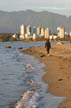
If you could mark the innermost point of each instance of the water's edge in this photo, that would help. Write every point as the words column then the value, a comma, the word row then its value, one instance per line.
column 46, row 99
column 16, row 77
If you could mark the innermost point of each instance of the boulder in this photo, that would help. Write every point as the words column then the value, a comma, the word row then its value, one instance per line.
column 8, row 46
column 59, row 43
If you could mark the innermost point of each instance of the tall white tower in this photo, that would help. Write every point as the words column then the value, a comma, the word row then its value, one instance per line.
column 22, row 31
column 28, row 29
column 46, row 33
column 38, row 30
column 42, row 31
column 60, row 32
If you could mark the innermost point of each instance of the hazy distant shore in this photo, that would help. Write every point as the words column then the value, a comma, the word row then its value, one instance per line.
column 58, row 70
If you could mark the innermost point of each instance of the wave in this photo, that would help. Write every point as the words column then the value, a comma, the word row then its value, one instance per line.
column 28, row 100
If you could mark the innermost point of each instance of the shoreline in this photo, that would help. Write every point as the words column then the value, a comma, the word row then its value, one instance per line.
column 57, row 68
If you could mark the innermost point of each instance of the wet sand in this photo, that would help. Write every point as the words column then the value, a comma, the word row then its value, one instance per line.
column 57, row 68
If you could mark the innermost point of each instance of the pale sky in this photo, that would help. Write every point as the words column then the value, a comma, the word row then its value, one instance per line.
column 57, row 6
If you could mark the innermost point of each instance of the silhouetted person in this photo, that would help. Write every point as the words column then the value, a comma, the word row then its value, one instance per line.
column 47, row 46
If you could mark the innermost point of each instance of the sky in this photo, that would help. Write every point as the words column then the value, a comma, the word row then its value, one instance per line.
column 57, row 6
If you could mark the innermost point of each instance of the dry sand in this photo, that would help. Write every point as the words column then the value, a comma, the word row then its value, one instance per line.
column 58, row 70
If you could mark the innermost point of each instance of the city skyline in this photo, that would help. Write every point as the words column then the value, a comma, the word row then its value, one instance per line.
column 60, row 7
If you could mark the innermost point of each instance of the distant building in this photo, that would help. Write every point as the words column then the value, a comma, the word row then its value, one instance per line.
column 60, row 32
column 66, row 34
column 22, row 31
column 34, row 36
column 46, row 35
column 42, row 32
column 26, row 36
column 51, row 37
column 70, row 34
column 14, row 36
column 28, row 30
column 38, row 31
column 34, row 30
column 54, row 37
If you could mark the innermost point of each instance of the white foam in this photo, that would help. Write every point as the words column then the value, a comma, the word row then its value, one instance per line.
column 29, row 68
column 19, row 104
column 32, row 83
column 27, row 95
column 33, row 101
column 29, row 99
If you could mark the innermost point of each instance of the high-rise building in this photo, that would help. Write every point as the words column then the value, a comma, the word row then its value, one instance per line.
column 28, row 29
column 22, row 31
column 46, row 33
column 38, row 31
column 42, row 32
column 60, row 32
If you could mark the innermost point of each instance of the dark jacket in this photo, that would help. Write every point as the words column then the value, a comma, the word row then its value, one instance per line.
column 47, row 44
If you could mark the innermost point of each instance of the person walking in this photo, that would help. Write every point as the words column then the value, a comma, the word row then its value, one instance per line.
column 47, row 46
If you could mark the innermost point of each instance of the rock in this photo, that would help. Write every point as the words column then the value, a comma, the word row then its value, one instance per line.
column 59, row 43
column 20, row 48
column 8, row 47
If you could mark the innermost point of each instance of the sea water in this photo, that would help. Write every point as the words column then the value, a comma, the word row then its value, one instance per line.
column 15, row 77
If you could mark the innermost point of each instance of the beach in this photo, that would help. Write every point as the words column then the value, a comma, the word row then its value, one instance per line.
column 57, row 68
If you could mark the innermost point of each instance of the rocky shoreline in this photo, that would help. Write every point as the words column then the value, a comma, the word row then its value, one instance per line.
column 57, row 68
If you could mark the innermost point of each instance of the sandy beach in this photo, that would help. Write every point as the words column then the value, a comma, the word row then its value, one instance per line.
column 57, row 68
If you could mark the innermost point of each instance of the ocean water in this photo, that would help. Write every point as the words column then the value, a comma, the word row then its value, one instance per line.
column 17, row 74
